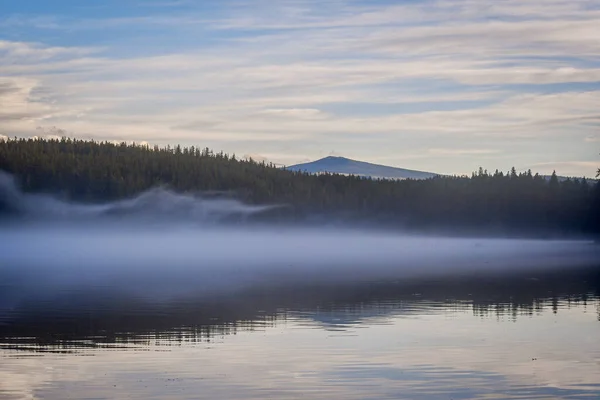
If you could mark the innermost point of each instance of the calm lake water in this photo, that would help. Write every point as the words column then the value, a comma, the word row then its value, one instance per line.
column 526, row 335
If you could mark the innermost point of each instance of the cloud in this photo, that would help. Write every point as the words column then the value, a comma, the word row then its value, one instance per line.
column 301, row 77
column 19, row 101
column 294, row 113
column 461, row 152
column 24, row 52
column 172, row 3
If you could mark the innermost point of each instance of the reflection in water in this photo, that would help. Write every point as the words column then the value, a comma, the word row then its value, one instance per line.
column 106, row 316
column 524, row 335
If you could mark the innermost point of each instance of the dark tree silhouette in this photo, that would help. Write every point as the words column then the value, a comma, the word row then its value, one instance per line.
column 512, row 203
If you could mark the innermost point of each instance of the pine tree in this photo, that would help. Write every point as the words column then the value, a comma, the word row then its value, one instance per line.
column 91, row 171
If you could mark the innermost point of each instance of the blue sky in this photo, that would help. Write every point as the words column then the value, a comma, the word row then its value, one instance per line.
column 444, row 86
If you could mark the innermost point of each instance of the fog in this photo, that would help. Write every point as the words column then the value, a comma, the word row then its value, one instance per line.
column 58, row 247
column 158, row 204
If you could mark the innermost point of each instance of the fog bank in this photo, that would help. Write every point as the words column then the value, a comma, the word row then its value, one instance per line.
column 184, row 260
column 158, row 204
column 58, row 247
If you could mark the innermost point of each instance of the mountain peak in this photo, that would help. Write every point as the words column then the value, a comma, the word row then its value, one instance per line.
column 346, row 166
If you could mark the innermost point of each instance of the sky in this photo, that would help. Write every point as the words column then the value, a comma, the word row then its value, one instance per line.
column 441, row 86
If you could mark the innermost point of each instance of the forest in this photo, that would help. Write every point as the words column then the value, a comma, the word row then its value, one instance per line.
column 500, row 203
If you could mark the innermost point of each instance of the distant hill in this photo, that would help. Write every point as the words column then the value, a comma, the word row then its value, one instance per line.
column 346, row 166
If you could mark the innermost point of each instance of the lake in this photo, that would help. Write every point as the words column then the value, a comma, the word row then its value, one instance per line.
column 530, row 334
column 130, row 310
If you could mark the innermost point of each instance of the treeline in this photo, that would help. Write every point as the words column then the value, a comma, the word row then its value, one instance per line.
column 498, row 202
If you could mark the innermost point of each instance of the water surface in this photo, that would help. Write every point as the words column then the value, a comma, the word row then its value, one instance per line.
column 530, row 334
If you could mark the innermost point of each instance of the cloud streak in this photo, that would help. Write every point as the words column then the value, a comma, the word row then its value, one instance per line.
column 301, row 79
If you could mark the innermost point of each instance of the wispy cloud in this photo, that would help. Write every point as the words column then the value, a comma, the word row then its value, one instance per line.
column 167, row 3
column 461, row 152
column 18, row 101
column 26, row 52
column 465, row 79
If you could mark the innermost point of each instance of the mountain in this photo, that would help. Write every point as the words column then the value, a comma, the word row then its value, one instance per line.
column 346, row 166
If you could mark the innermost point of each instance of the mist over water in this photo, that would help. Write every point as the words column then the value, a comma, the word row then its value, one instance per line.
column 59, row 247
column 156, row 204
